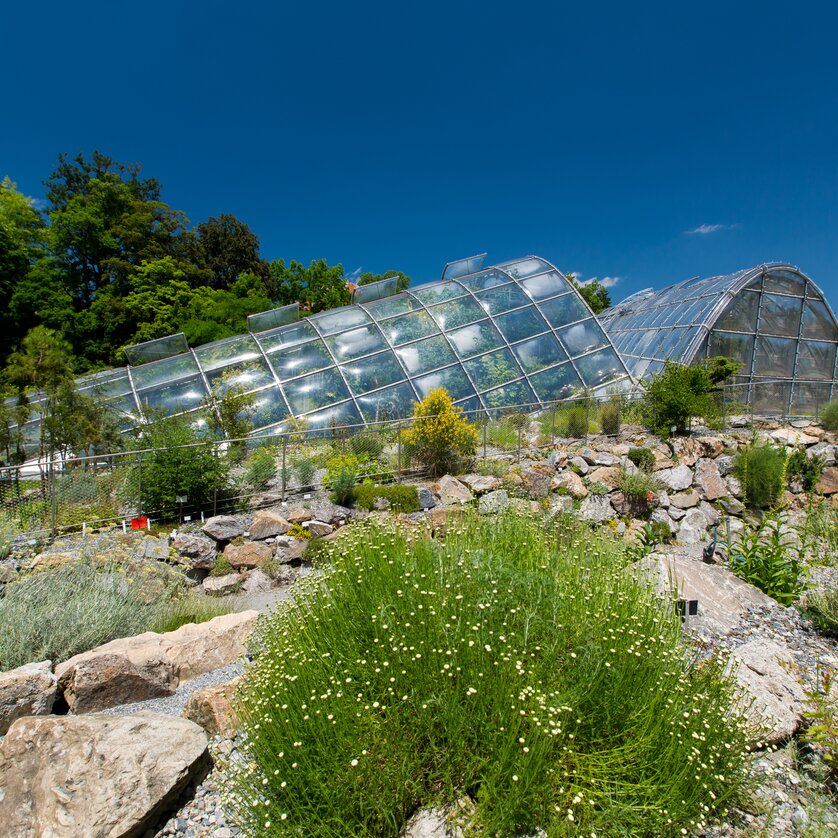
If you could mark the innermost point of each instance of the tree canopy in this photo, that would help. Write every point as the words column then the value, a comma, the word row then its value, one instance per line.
column 594, row 293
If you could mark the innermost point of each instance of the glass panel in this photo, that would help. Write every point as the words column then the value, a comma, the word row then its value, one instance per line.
column 526, row 267
column 808, row 399
column 426, row 355
column 437, row 292
column 154, row 350
column 230, row 351
column 479, row 337
column 392, row 306
column 771, row 397
column 265, row 320
column 158, row 372
column 269, row 408
column 330, row 322
column 373, row 372
column 517, row 394
column 741, row 314
column 391, row 403
column 102, row 386
column 817, row 322
column 472, row 408
column 564, row 310
column 815, row 360
column 335, row 416
column 247, row 376
column 176, row 396
column 784, row 283
column 315, row 391
column 299, row 360
column 358, row 342
column 453, row 379
column 737, row 347
column 556, row 383
column 493, row 369
column 502, row 299
column 125, row 409
column 462, row 267
column 521, row 324
column 582, row 337
column 599, row 368
column 376, row 290
column 780, row 315
column 287, row 336
column 775, row 357
column 539, row 352
column 457, row 313
column 486, row 279
column 546, row 285
column 409, row 327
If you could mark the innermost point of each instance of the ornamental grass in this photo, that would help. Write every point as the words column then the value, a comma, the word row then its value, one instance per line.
column 519, row 665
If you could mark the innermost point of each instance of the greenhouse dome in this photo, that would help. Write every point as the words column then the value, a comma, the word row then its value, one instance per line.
column 772, row 319
column 517, row 333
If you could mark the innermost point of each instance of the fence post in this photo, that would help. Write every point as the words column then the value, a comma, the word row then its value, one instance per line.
column 485, row 438
column 140, row 483
column 553, row 426
column 587, row 416
column 284, row 473
column 399, row 453
column 518, row 458
column 53, row 497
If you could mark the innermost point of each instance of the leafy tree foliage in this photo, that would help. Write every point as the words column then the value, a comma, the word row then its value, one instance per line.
column 402, row 285
column 594, row 293
column 317, row 287
column 230, row 248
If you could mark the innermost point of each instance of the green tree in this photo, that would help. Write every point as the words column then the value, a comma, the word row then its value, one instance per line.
column 318, row 287
column 229, row 248
column 594, row 293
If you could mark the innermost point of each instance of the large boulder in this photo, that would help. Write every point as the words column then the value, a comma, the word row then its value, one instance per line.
column 28, row 690
column 95, row 775
column 570, row 482
column 773, row 699
column 319, row 529
column 199, row 550
column 579, row 465
column 223, row 527
column 687, row 449
column 709, row 480
column 677, row 478
column 693, row 528
column 788, row 436
column 828, row 484
column 229, row 583
column 609, row 475
column 212, row 708
column 451, row 491
column 480, row 483
column 249, row 554
column 268, row 524
column 685, row 500
column 493, row 503
column 426, row 497
column 290, row 549
column 597, row 509
column 151, row 665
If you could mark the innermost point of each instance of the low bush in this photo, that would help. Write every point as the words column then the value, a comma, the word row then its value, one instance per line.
column 516, row 664
column 222, row 567
column 761, row 469
column 400, row 498
column 609, row 416
column 829, row 416
column 821, row 607
column 639, row 487
column 316, row 550
column 576, row 419
column 305, row 469
column 260, row 468
column 299, row 531
column 368, row 445
column 643, row 458
column 597, row 487
column 806, row 469
column 342, row 483
column 8, row 532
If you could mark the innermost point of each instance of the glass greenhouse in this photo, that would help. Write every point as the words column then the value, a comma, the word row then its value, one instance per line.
column 516, row 333
column 772, row 319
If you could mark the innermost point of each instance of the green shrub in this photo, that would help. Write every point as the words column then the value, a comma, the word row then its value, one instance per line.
column 222, row 567
column 821, row 607
column 638, row 486
column 367, row 446
column 609, row 416
column 316, row 551
column 189, row 608
column 8, row 532
column 306, row 469
column 829, row 416
column 643, row 458
column 806, row 469
column 577, row 422
column 596, row 487
column 343, row 485
column 261, row 468
column 401, row 498
column 761, row 469
column 415, row 672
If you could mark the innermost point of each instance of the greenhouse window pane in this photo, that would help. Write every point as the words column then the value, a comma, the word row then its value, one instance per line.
column 409, row 327
column 392, row 403
column 556, row 383
column 453, row 379
column 175, row 396
column 511, row 396
column 159, row 372
column 521, row 324
column 784, row 283
column 775, row 357
column 582, row 337
column 546, row 285
column 358, row 342
column 248, row 375
column 229, row 351
column 599, row 368
column 437, row 292
column 738, row 347
column 331, row 322
column 301, row 359
column 525, row 268
column 457, row 313
column 104, row 385
column 426, row 355
column 472, row 408
column 492, row 369
column 540, row 352
column 334, row 416
column 770, row 396
column 125, row 409
column 373, row 372
column 741, row 314
column 483, row 280
column 815, row 360
column 315, row 391
column 503, row 298
column 817, row 322
column 287, row 336
column 780, row 315
column 392, row 306
column 474, row 339
column 269, row 408
column 564, row 310
column 809, row 399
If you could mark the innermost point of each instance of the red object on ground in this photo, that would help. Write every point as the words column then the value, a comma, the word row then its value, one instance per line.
column 140, row 523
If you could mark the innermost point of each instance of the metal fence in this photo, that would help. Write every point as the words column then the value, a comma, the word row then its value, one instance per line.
column 54, row 496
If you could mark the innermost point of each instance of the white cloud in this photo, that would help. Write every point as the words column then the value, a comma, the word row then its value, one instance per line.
column 706, row 229
column 606, row 281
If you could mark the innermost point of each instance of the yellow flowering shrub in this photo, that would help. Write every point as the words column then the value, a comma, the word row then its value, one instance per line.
column 440, row 434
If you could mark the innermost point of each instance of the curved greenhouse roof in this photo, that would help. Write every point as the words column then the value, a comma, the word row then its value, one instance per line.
column 773, row 319
column 517, row 333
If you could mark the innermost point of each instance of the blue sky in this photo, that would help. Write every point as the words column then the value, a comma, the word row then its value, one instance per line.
column 648, row 142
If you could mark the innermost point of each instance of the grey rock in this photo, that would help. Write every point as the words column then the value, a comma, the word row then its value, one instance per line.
column 579, row 464
column 663, row 517
column 223, row 527
column 200, row 550
column 685, row 500
column 677, row 478
column 320, row 528
column 597, row 509
column 426, row 498
column 493, row 503
column 28, row 690
column 675, row 513
column 588, row 455
column 709, row 480
column 221, row 585
column 605, row 458
column 734, row 486
column 822, row 449
column 725, row 464
column 257, row 582
column 561, row 505
column 693, row 527
column 732, row 506
column 451, row 491
column 480, row 484
column 289, row 549
column 268, row 524
column 156, row 548
column 570, row 482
